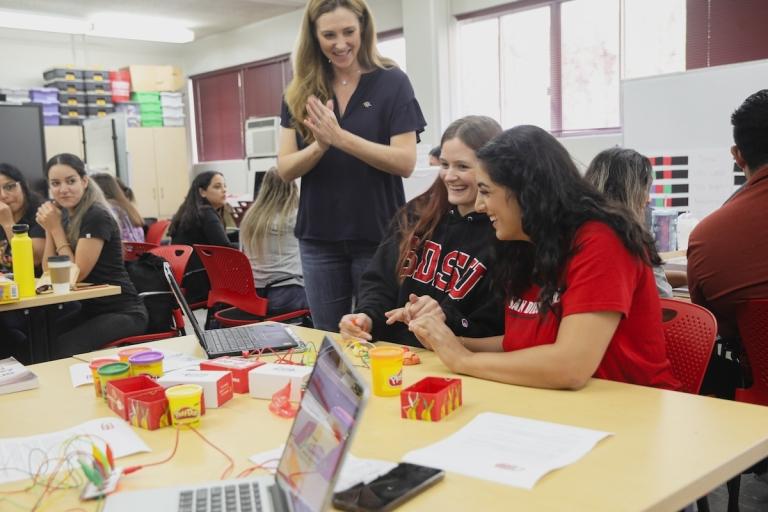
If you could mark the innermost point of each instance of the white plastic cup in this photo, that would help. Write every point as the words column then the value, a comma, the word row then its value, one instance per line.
column 59, row 268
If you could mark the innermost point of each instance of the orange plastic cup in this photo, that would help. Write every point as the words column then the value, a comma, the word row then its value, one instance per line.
column 386, row 370
column 185, row 404
column 94, row 365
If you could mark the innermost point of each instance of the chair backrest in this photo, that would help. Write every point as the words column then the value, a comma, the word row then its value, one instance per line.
column 229, row 272
column 132, row 250
column 690, row 332
column 177, row 256
column 156, row 231
column 752, row 318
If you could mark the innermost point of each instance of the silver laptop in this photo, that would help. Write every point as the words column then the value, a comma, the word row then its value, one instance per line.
column 233, row 341
column 311, row 461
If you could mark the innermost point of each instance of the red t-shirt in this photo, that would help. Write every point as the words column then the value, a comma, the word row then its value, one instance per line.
column 602, row 276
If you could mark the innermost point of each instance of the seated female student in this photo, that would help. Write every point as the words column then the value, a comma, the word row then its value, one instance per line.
column 130, row 220
column 266, row 237
column 575, row 271
column 439, row 249
column 199, row 221
column 18, row 205
column 79, row 223
column 625, row 176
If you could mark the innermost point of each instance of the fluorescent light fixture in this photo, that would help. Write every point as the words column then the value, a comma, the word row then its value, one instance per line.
column 114, row 25
column 142, row 28
column 43, row 23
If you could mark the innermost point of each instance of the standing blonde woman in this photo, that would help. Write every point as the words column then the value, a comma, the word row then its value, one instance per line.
column 266, row 237
column 350, row 124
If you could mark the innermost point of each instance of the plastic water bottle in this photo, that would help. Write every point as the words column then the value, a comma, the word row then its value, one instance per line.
column 23, row 260
column 685, row 224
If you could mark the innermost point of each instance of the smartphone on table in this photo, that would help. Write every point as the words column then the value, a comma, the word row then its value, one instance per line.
column 388, row 491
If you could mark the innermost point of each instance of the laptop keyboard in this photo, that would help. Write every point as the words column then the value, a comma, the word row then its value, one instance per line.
column 242, row 497
column 230, row 340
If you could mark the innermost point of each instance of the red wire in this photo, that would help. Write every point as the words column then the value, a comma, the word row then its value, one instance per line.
column 231, row 464
column 133, row 469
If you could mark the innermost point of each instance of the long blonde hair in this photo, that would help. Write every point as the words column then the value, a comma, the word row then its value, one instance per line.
column 275, row 205
column 92, row 195
column 312, row 73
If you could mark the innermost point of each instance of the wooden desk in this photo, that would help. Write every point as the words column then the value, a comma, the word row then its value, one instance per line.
column 39, row 310
column 668, row 448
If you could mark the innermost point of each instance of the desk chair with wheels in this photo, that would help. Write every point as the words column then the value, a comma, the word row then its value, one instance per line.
column 176, row 256
column 132, row 250
column 156, row 231
column 231, row 277
column 690, row 332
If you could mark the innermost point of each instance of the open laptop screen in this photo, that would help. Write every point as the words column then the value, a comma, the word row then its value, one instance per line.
column 321, row 431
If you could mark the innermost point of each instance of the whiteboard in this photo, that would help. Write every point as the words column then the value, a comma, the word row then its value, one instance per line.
column 105, row 146
column 689, row 115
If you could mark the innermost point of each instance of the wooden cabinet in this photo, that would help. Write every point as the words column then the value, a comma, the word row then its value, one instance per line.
column 159, row 163
column 63, row 139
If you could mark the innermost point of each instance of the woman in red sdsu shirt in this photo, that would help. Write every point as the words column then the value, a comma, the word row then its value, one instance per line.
column 576, row 272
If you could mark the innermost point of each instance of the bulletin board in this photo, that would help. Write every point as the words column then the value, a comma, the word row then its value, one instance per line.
column 682, row 121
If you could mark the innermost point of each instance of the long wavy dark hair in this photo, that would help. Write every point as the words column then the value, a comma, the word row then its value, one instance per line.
column 418, row 219
column 554, row 202
column 188, row 213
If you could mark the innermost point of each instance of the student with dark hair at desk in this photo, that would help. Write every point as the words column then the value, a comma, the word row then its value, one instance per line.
column 623, row 175
column 79, row 223
column 199, row 220
column 18, row 205
column 574, row 270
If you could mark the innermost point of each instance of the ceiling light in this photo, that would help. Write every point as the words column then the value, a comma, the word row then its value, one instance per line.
column 26, row 21
column 143, row 28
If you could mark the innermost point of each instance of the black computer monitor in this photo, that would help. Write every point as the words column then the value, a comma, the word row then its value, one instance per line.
column 22, row 139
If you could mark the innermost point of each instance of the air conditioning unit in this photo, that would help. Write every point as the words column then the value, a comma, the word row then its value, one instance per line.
column 262, row 136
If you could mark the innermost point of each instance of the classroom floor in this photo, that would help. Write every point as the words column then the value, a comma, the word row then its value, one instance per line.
column 752, row 498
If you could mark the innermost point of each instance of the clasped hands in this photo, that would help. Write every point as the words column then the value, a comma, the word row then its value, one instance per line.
column 321, row 120
column 48, row 216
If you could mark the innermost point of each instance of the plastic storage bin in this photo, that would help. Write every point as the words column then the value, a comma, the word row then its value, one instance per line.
column 173, row 120
column 98, row 98
column 70, row 120
column 44, row 95
column 15, row 95
column 151, row 120
column 97, row 85
column 51, row 119
column 48, row 108
column 67, row 85
column 171, row 99
column 71, row 98
column 72, row 110
column 98, row 75
column 151, row 109
column 133, row 121
column 146, row 97
column 99, row 110
column 63, row 74
column 169, row 111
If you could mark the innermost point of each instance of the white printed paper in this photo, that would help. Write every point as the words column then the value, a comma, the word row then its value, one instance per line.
column 20, row 457
column 354, row 470
column 177, row 360
column 507, row 449
column 80, row 375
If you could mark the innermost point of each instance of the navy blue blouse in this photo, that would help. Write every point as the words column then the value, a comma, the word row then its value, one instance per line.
column 342, row 197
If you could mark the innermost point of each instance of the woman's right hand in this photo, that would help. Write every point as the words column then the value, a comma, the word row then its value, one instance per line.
column 48, row 216
column 356, row 325
column 6, row 215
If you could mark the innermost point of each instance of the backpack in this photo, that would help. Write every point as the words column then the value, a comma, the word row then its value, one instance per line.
column 147, row 276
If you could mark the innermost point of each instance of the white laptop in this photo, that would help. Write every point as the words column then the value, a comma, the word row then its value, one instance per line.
column 311, row 461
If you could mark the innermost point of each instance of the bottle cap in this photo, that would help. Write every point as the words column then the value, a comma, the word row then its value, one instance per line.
column 58, row 259
column 20, row 228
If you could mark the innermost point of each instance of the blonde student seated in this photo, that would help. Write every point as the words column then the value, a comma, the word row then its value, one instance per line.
column 575, row 271
column 266, row 237
column 438, row 248
column 79, row 223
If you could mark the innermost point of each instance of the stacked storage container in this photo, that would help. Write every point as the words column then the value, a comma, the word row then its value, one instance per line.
column 173, row 108
column 69, row 84
column 132, row 112
column 48, row 98
column 98, row 93
column 150, row 108
column 13, row 95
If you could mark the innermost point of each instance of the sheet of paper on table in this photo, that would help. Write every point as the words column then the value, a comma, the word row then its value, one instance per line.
column 507, row 449
column 20, row 457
